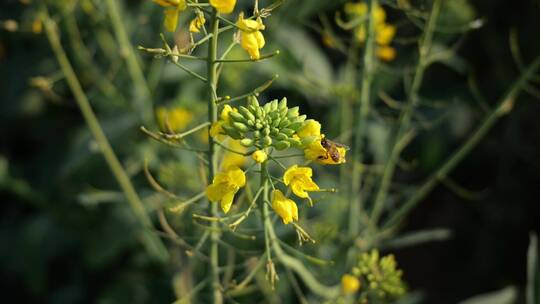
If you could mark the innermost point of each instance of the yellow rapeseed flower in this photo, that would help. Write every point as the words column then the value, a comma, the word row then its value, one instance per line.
column 284, row 207
column 299, row 179
column 197, row 23
column 361, row 10
column 231, row 159
column 224, row 187
column 251, row 39
column 320, row 150
column 174, row 119
column 259, row 156
column 173, row 9
column 350, row 284
column 223, row 6
column 385, row 33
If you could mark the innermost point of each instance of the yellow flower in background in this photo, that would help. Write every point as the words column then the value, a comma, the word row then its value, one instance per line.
column 217, row 127
column 385, row 33
column 251, row 39
column 224, row 187
column 231, row 159
column 299, row 179
column 174, row 119
column 361, row 10
column 259, row 156
column 173, row 9
column 386, row 53
column 197, row 23
column 284, row 207
column 350, row 284
column 223, row 6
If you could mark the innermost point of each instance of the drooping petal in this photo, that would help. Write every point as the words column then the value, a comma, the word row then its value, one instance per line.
column 260, row 39
column 227, row 200
column 248, row 41
column 223, row 6
column 171, row 19
column 284, row 207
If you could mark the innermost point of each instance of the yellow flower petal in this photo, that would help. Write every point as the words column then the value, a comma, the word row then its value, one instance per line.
column 284, row 207
column 214, row 192
column 236, row 177
column 171, row 19
column 226, row 201
column 224, row 187
column 299, row 179
column 311, row 127
column 223, row 6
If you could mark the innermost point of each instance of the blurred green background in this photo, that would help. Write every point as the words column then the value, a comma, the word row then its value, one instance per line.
column 68, row 237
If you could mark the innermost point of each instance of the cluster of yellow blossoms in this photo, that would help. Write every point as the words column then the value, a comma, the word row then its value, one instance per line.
column 233, row 126
column 250, row 36
column 384, row 32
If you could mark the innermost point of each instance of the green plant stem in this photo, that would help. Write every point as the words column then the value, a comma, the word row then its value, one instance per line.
column 362, row 111
column 150, row 241
column 212, row 156
column 144, row 104
column 405, row 119
column 503, row 107
column 327, row 292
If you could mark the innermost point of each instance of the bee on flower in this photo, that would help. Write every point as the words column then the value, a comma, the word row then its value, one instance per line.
column 320, row 149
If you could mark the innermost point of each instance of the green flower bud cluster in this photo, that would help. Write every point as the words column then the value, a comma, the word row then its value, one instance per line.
column 381, row 275
column 271, row 125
